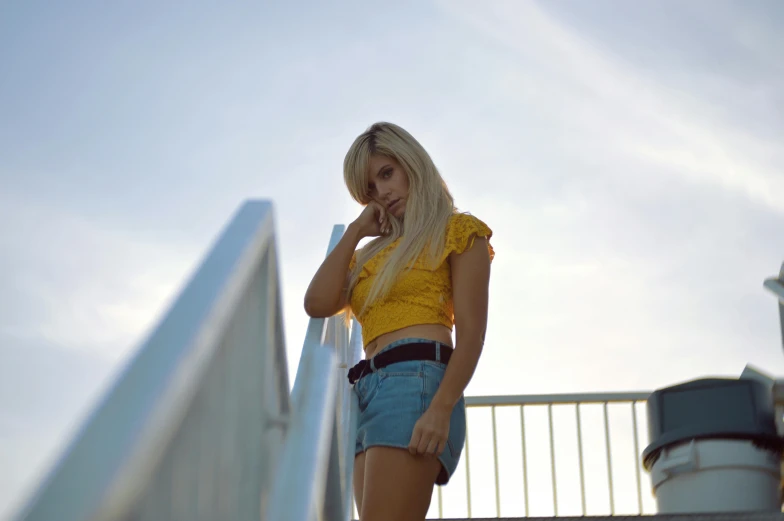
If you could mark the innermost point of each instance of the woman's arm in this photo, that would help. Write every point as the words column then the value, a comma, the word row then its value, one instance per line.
column 470, row 282
column 326, row 294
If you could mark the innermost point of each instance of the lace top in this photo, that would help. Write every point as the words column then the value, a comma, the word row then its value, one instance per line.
column 421, row 295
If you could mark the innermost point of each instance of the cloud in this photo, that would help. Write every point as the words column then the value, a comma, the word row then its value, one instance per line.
column 616, row 109
column 79, row 285
column 632, row 230
column 44, row 392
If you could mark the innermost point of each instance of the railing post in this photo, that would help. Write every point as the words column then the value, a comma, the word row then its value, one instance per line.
column 349, row 418
column 299, row 486
column 334, row 500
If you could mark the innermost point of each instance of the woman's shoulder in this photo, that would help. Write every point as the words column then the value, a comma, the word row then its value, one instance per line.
column 465, row 223
column 462, row 229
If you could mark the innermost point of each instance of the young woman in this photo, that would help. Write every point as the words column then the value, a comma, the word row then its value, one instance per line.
column 427, row 269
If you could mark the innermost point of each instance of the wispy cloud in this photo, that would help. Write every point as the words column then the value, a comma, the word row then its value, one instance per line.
column 629, row 223
column 83, row 287
column 628, row 113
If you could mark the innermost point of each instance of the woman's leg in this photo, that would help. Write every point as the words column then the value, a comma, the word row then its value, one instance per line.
column 359, row 479
column 397, row 485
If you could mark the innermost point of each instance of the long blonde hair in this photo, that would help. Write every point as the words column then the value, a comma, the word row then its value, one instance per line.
column 428, row 207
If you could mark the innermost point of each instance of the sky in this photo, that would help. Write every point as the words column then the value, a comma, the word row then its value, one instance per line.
column 625, row 154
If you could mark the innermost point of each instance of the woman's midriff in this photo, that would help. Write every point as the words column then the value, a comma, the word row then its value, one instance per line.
column 435, row 332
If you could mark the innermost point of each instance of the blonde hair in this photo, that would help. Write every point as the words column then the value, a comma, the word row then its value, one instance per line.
column 428, row 207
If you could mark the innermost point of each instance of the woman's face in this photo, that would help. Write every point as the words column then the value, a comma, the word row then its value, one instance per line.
column 388, row 184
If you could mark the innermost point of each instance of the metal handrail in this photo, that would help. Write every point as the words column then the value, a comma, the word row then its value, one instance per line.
column 548, row 445
column 107, row 471
column 555, row 399
column 315, row 471
column 348, row 415
column 298, row 490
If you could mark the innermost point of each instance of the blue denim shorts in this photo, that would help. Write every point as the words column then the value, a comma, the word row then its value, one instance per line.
column 393, row 398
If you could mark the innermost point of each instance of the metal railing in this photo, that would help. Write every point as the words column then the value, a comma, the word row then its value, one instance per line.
column 200, row 424
column 587, row 445
column 316, row 468
column 193, row 426
column 562, row 455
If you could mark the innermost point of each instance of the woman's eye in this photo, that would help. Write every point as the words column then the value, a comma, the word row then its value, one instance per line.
column 387, row 173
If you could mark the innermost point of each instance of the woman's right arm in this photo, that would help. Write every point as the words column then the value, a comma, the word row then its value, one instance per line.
column 326, row 295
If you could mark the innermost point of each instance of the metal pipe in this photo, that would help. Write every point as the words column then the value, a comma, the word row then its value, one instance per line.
column 468, row 473
column 354, row 350
column 298, row 489
column 555, row 399
column 495, row 467
column 552, row 459
column 580, row 458
column 637, row 459
column 333, row 492
column 609, row 459
column 525, row 457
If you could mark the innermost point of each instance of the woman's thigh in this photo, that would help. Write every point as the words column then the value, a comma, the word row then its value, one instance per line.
column 397, row 485
column 392, row 400
column 359, row 479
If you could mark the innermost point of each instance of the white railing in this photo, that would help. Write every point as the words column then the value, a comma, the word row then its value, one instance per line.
column 558, row 455
column 193, row 426
column 550, row 455
column 201, row 426
column 316, row 469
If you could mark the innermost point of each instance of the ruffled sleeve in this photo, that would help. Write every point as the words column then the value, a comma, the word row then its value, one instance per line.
column 463, row 230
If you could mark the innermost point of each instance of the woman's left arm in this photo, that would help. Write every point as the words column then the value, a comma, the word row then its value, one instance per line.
column 470, row 283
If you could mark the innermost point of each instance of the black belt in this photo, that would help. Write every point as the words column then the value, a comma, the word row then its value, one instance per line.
column 402, row 353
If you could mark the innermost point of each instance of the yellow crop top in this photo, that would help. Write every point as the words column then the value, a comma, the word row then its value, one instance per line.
column 420, row 295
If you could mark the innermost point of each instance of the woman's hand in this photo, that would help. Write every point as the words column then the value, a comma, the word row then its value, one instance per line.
column 430, row 432
column 373, row 221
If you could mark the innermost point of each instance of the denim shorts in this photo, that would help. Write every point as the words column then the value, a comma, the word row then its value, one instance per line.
column 393, row 398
